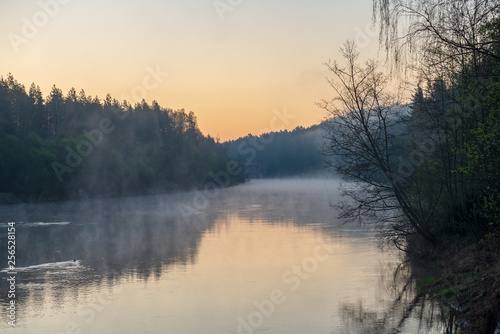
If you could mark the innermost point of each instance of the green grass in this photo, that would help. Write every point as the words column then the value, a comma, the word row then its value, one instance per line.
column 426, row 281
column 446, row 293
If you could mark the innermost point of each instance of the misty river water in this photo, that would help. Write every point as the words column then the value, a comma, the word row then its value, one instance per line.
column 267, row 256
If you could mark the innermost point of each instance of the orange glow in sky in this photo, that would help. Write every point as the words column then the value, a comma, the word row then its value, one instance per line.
column 231, row 62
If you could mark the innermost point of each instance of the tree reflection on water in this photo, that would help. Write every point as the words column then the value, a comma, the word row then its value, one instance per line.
column 401, row 310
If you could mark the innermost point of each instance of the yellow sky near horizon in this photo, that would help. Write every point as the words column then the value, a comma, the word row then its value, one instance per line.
column 231, row 62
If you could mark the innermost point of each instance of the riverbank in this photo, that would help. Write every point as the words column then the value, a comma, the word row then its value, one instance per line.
column 81, row 195
column 469, row 282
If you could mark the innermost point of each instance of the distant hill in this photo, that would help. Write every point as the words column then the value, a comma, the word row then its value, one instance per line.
column 280, row 154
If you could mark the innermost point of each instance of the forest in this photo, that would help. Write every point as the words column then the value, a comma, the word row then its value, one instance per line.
column 75, row 146
column 280, row 153
column 428, row 176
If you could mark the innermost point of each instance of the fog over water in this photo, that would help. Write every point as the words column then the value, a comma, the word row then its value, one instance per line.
column 268, row 256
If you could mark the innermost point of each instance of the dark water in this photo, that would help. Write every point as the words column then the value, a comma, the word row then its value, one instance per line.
column 264, row 257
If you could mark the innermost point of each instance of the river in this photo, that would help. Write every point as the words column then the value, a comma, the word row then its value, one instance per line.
column 268, row 256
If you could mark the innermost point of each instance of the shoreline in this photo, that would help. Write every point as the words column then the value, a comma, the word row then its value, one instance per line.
column 467, row 281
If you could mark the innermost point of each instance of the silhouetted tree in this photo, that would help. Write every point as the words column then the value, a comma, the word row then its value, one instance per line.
column 363, row 119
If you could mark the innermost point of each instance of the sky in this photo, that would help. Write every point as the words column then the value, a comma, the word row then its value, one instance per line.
column 234, row 63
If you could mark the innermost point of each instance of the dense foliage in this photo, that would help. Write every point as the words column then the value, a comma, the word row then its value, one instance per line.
column 280, row 154
column 459, row 109
column 76, row 146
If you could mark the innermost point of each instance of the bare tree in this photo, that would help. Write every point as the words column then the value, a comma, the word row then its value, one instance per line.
column 361, row 131
column 444, row 33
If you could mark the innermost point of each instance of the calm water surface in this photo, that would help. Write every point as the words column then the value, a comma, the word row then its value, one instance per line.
column 264, row 257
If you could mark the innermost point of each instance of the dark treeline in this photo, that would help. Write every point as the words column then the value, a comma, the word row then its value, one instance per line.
column 456, row 108
column 74, row 146
column 280, row 154
column 433, row 186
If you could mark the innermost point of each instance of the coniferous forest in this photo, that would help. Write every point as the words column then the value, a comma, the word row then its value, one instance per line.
column 74, row 146
column 280, row 153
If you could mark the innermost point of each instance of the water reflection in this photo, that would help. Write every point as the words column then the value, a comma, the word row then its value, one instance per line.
column 63, row 249
column 204, row 271
column 405, row 311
